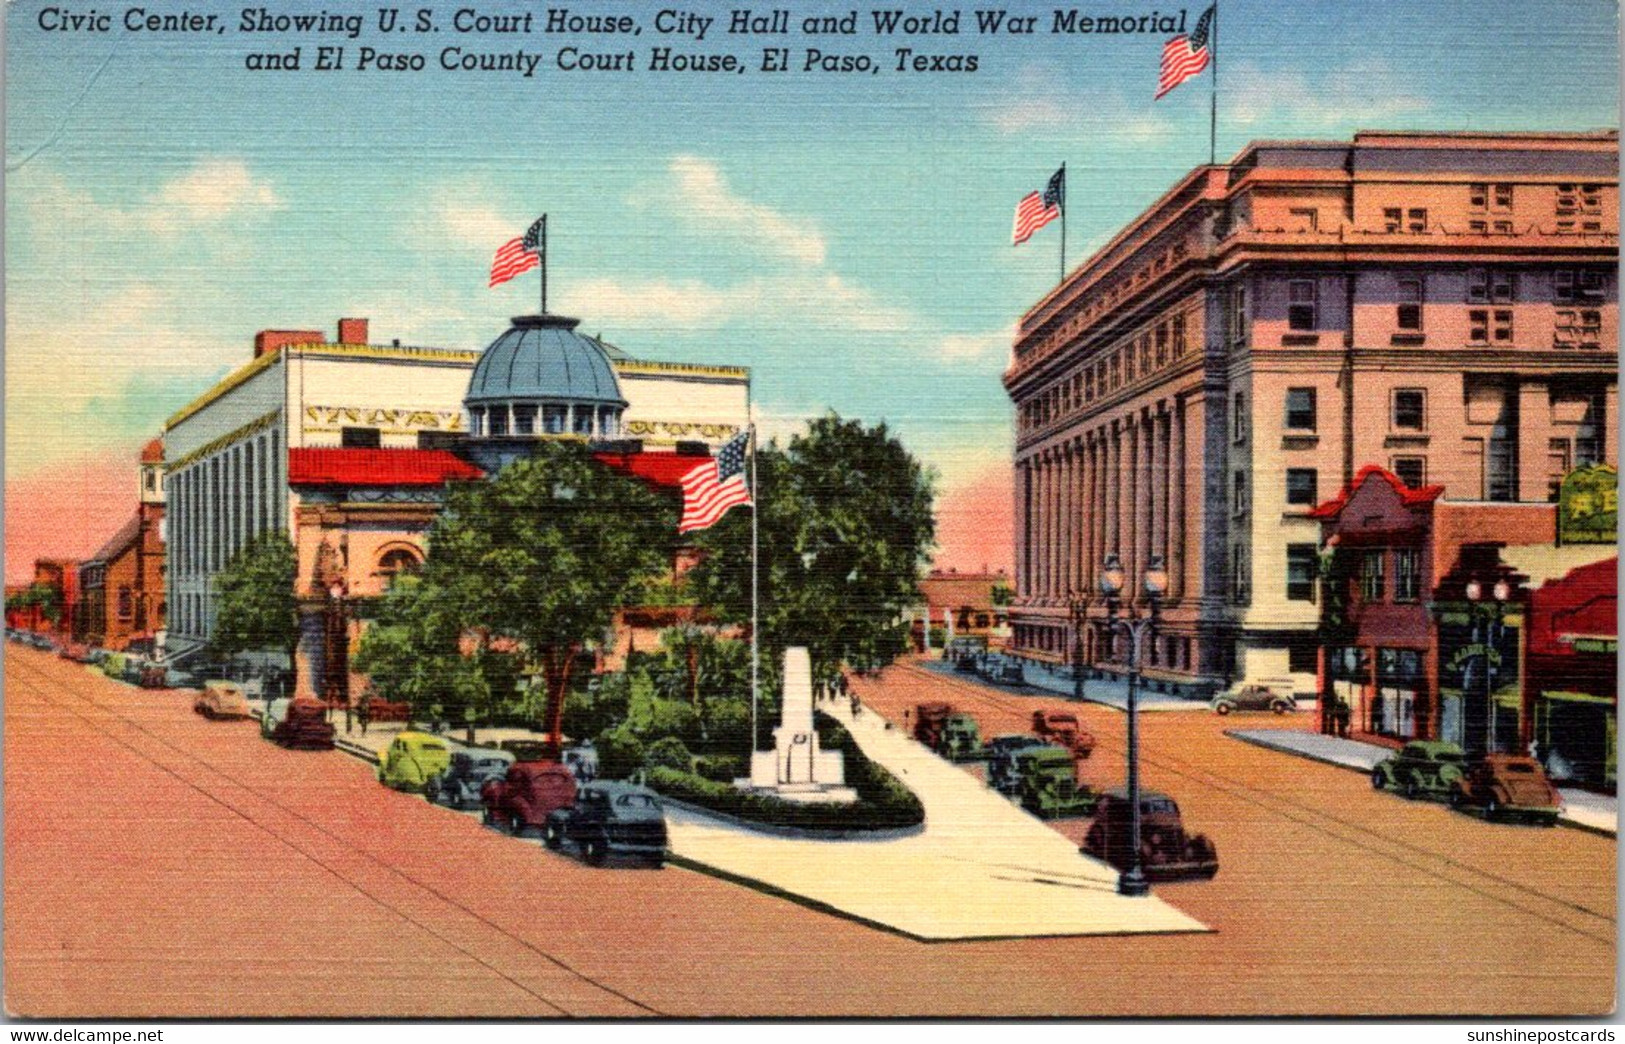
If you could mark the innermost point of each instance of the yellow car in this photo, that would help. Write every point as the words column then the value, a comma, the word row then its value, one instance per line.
column 412, row 760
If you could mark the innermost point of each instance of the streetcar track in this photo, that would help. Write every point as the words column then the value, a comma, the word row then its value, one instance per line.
column 42, row 676
column 1289, row 808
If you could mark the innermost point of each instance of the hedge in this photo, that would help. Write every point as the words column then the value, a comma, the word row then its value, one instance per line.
column 883, row 802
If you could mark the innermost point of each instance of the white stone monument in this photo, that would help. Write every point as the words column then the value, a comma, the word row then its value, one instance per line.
column 795, row 769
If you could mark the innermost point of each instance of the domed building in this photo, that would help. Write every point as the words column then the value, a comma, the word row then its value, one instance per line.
column 541, row 377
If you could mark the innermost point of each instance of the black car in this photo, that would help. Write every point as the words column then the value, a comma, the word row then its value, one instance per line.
column 468, row 771
column 610, row 819
column 1001, row 759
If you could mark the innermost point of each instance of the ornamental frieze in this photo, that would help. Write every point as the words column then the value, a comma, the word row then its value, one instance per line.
column 681, row 429
column 391, row 421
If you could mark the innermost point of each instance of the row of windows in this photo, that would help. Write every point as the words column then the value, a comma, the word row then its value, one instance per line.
column 1384, row 574
column 218, row 504
column 523, row 418
column 1141, row 355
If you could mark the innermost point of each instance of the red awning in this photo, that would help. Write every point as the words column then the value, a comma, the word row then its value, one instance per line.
column 657, row 469
column 377, row 467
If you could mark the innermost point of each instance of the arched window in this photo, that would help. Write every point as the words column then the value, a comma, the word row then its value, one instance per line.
column 398, row 562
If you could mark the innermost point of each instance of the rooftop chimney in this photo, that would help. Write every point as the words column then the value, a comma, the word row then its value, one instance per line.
column 352, row 331
column 272, row 340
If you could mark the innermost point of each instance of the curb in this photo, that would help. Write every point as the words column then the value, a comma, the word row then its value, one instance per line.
column 1562, row 821
column 794, row 833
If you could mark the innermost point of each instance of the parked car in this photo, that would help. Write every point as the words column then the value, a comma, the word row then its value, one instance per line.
column 153, row 675
column 1254, row 698
column 929, row 718
column 1167, row 852
column 221, row 700
column 1508, row 785
column 1428, row 768
column 78, row 652
column 1002, row 671
column 1063, row 727
column 961, row 738
column 610, row 819
column 304, row 725
column 1001, row 759
column 464, row 778
column 1046, row 783
column 530, row 791
column 113, row 665
column 411, row 759
column 964, row 647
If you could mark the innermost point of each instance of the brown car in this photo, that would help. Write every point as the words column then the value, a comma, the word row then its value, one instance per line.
column 1063, row 728
column 1508, row 785
column 1167, row 852
column 529, row 793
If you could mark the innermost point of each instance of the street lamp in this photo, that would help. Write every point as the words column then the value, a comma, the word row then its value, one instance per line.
column 1495, row 610
column 332, row 687
column 1080, row 618
column 1136, row 628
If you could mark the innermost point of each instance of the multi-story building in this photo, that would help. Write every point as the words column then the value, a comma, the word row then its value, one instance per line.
column 121, row 586
column 1442, row 305
column 347, row 448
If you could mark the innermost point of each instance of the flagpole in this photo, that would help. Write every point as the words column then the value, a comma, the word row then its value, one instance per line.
column 544, row 264
column 755, row 573
column 1063, row 223
column 1213, row 97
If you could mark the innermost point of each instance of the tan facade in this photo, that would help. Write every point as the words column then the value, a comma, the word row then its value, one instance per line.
column 1444, row 306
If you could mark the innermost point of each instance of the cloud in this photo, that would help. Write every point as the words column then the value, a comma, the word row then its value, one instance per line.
column 977, row 347
column 475, row 225
column 1363, row 95
column 700, row 192
column 212, row 191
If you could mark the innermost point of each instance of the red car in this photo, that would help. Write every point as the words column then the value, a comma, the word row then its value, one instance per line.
column 1063, row 728
column 304, row 726
column 528, row 794
column 1167, row 852
column 1508, row 785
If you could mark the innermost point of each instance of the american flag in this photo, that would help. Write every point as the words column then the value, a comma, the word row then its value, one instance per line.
column 517, row 255
column 1038, row 209
column 1185, row 56
column 710, row 489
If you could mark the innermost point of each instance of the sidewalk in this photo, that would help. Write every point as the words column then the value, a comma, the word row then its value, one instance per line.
column 981, row 868
column 1598, row 813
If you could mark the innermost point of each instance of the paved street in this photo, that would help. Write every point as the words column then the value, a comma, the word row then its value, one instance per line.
column 159, row 864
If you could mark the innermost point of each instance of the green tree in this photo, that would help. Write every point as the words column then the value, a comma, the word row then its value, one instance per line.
column 256, row 605
column 41, row 596
column 538, row 558
column 846, row 529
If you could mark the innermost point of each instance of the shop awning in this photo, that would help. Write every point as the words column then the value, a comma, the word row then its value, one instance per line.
column 1577, row 697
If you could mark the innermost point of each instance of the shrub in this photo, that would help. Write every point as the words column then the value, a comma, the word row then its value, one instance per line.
column 620, row 753
column 668, row 753
column 723, row 768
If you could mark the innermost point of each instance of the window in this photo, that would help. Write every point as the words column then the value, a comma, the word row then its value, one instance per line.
column 1238, row 419
column 1238, row 575
column 524, row 419
column 1238, row 315
column 1302, row 564
column 1416, row 219
column 1503, row 228
column 609, row 421
column 1489, row 285
column 1478, row 326
column 1371, row 579
column 1179, row 335
column 1478, row 228
column 152, row 480
column 1412, row 471
column 1301, row 310
column 1410, row 409
column 126, row 603
column 1577, row 328
column 1089, row 385
column 1478, row 196
column 1558, row 464
column 1162, row 343
column 1501, row 331
column 1300, row 409
column 1301, row 486
column 1582, row 284
column 497, row 418
column 1409, row 296
column 582, row 420
column 1503, row 197
column 359, row 438
column 555, row 417
column 1307, row 220
column 1238, row 493
column 1407, row 575
column 397, row 563
column 1392, row 219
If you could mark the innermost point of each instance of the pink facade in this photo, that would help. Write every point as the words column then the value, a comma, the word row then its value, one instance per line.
column 1443, row 306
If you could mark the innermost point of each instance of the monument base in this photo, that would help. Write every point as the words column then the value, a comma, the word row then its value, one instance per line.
column 801, row 793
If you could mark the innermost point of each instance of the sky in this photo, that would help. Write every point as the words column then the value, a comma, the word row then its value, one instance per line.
column 847, row 237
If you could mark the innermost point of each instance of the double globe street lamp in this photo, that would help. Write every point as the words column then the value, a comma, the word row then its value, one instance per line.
column 1492, row 614
column 1136, row 629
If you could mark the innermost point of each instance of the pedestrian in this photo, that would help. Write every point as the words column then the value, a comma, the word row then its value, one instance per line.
column 857, row 705
column 1341, row 715
column 363, row 711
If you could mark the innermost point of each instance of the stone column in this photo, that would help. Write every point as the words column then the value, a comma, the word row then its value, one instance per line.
column 1044, row 516
column 1196, row 550
column 1136, row 495
column 1179, row 496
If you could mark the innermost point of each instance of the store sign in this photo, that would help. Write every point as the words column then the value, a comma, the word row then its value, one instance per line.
column 1588, row 506
column 1591, row 645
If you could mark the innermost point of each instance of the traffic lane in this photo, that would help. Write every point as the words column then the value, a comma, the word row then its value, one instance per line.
column 1324, row 869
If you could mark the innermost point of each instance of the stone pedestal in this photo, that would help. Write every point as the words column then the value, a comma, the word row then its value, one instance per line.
column 796, row 769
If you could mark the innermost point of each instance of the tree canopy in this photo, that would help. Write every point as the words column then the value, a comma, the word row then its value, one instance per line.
column 256, row 606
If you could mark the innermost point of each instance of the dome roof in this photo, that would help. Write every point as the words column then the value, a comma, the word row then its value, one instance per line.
column 542, row 357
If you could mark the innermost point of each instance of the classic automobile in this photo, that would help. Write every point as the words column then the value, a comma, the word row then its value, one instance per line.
column 304, row 725
column 1002, row 671
column 929, row 719
column 960, row 738
column 221, row 700
column 1167, row 852
column 527, row 794
column 462, row 782
column 1001, row 759
column 113, row 665
column 1063, row 727
column 1046, row 783
column 1422, row 768
column 153, row 675
column 610, row 819
column 1254, row 698
column 1508, row 785
column 964, row 647
column 79, row 652
column 411, row 759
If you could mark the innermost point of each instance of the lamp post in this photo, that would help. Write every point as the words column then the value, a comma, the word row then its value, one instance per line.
column 1136, row 628
column 1080, row 617
column 1492, row 616
column 334, row 687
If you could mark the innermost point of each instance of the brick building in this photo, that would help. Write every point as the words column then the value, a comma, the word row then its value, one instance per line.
column 1442, row 305
column 121, row 586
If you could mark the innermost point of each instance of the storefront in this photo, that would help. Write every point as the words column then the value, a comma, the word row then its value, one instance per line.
column 1572, row 675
